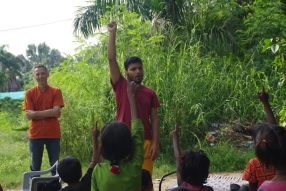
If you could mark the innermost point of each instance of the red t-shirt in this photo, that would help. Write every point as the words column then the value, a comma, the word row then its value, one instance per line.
column 146, row 99
column 38, row 101
column 256, row 172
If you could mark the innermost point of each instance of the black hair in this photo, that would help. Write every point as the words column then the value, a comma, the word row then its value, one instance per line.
column 146, row 177
column 116, row 142
column 256, row 128
column 132, row 60
column 69, row 169
column 40, row 66
column 194, row 167
column 270, row 146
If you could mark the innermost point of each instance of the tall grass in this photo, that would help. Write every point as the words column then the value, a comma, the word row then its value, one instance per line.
column 194, row 90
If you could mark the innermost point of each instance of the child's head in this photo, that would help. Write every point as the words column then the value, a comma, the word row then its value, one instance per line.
column 147, row 184
column 116, row 142
column 69, row 169
column 255, row 130
column 194, row 167
column 270, row 146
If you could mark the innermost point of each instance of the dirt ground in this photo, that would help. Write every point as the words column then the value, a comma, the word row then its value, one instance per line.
column 171, row 180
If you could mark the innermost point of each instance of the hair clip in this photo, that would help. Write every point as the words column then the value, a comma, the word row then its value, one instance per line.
column 264, row 140
column 114, row 169
column 182, row 158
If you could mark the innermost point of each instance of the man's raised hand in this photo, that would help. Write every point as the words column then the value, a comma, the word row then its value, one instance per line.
column 112, row 26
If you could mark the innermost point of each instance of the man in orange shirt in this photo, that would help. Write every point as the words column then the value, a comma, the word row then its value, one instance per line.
column 42, row 105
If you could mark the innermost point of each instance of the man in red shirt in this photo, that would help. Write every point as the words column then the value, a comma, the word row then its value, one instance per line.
column 42, row 105
column 146, row 98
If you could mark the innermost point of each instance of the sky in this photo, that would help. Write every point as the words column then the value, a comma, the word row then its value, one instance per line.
column 24, row 13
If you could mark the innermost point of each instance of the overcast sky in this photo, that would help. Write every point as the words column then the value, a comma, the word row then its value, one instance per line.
column 23, row 13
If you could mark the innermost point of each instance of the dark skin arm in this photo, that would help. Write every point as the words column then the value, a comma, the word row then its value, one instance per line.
column 263, row 97
column 95, row 134
column 177, row 152
column 132, row 88
column 253, row 186
column 154, row 150
column 111, row 53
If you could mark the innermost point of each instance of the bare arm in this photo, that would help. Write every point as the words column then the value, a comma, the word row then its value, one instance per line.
column 177, row 152
column 111, row 52
column 253, row 186
column 54, row 112
column 95, row 134
column 154, row 150
column 132, row 88
column 263, row 97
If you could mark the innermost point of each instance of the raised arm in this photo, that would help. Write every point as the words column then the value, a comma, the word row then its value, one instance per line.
column 54, row 112
column 95, row 134
column 263, row 97
column 177, row 152
column 111, row 53
column 132, row 88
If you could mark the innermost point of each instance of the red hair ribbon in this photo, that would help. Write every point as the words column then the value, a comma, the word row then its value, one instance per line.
column 182, row 158
column 114, row 169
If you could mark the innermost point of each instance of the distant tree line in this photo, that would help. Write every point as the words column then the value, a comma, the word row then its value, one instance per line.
column 15, row 70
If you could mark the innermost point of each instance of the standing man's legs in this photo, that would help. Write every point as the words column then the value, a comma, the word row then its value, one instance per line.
column 148, row 163
column 53, row 148
column 36, row 153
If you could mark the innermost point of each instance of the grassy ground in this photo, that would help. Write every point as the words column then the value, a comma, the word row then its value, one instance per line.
column 14, row 157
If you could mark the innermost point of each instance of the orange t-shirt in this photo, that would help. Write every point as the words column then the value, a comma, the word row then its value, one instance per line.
column 256, row 172
column 38, row 101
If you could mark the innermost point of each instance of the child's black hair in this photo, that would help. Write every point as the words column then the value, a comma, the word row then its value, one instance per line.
column 270, row 146
column 69, row 170
column 255, row 130
column 116, row 142
column 146, row 177
column 194, row 167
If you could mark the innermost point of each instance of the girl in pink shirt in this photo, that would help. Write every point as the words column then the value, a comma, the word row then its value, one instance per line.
column 270, row 149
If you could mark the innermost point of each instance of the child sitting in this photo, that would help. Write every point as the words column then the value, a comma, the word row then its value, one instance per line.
column 255, row 172
column 69, row 168
column 270, row 149
column 147, row 184
column 123, row 150
column 192, row 167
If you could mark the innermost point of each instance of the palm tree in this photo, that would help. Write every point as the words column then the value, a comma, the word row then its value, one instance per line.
column 214, row 22
column 55, row 58
column 10, row 69
column 42, row 54
column 87, row 17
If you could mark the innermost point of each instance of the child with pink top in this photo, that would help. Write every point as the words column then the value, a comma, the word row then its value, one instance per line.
column 270, row 150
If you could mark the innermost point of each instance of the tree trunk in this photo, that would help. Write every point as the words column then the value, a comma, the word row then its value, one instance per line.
column 13, row 85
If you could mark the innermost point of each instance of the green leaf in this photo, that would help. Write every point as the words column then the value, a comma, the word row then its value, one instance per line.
column 267, row 43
